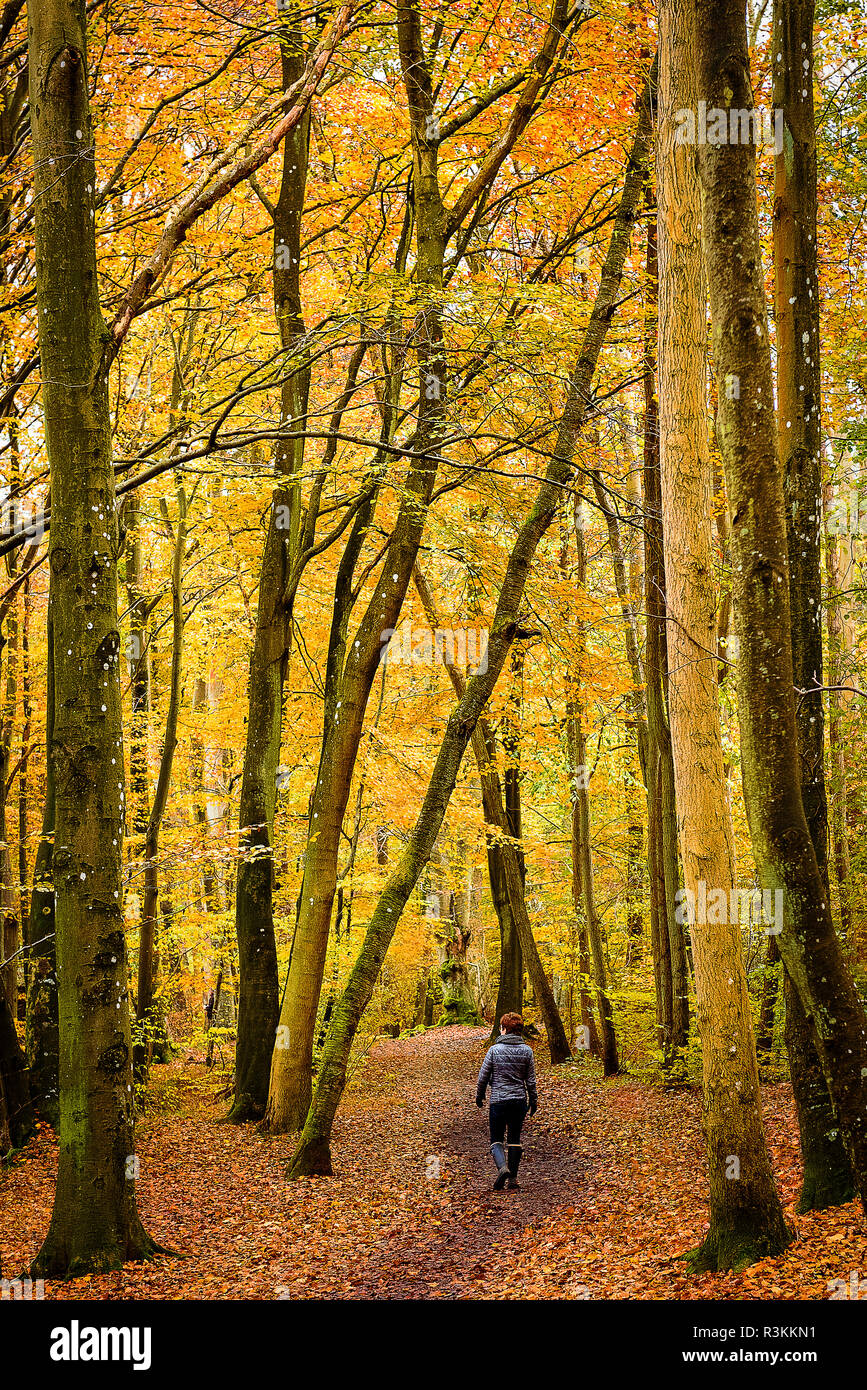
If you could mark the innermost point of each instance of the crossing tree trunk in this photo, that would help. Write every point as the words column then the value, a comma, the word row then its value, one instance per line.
column 313, row 1155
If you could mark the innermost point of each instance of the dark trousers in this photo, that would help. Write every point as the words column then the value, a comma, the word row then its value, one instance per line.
column 507, row 1116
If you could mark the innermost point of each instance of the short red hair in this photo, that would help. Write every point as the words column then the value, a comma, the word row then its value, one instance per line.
column 513, row 1023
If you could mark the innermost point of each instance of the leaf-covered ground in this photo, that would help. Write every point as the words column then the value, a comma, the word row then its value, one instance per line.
column 612, row 1194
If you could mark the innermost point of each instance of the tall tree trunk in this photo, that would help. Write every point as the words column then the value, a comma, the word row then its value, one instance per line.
column 582, row 854
column 95, row 1224
column 459, row 999
column 634, row 885
column 149, row 1014
column 10, row 936
column 582, row 872
column 768, row 1004
column 659, row 911
column 510, row 990
column 837, row 669
column 24, row 779
column 828, row 1178
column 670, row 963
column 772, row 786
column 746, row 1216
column 138, row 657
column 259, row 1001
column 510, row 987
column 510, row 858
column 588, row 1038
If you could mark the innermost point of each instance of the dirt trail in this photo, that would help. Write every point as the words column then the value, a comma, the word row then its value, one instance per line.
column 612, row 1194
column 449, row 1259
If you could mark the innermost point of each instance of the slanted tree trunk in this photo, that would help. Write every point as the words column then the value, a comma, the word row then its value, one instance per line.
column 828, row 1178
column 746, row 1216
column 772, row 784
column 352, row 666
column 95, row 1224
column 313, row 1155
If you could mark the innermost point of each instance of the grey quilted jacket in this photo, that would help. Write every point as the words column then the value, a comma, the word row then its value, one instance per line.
column 509, row 1070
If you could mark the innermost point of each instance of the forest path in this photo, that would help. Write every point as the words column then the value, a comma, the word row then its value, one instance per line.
column 445, row 1136
column 612, row 1194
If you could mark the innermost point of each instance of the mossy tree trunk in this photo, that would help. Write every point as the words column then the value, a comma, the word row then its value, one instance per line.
column 95, row 1224
column 772, row 777
column 768, row 1002
column 746, row 1215
column 10, row 931
column 459, row 996
column 828, row 1176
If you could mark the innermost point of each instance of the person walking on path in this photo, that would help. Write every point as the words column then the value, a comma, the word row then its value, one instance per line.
column 510, row 1071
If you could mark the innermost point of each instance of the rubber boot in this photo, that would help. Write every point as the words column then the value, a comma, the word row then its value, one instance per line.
column 498, row 1153
column 515, row 1152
